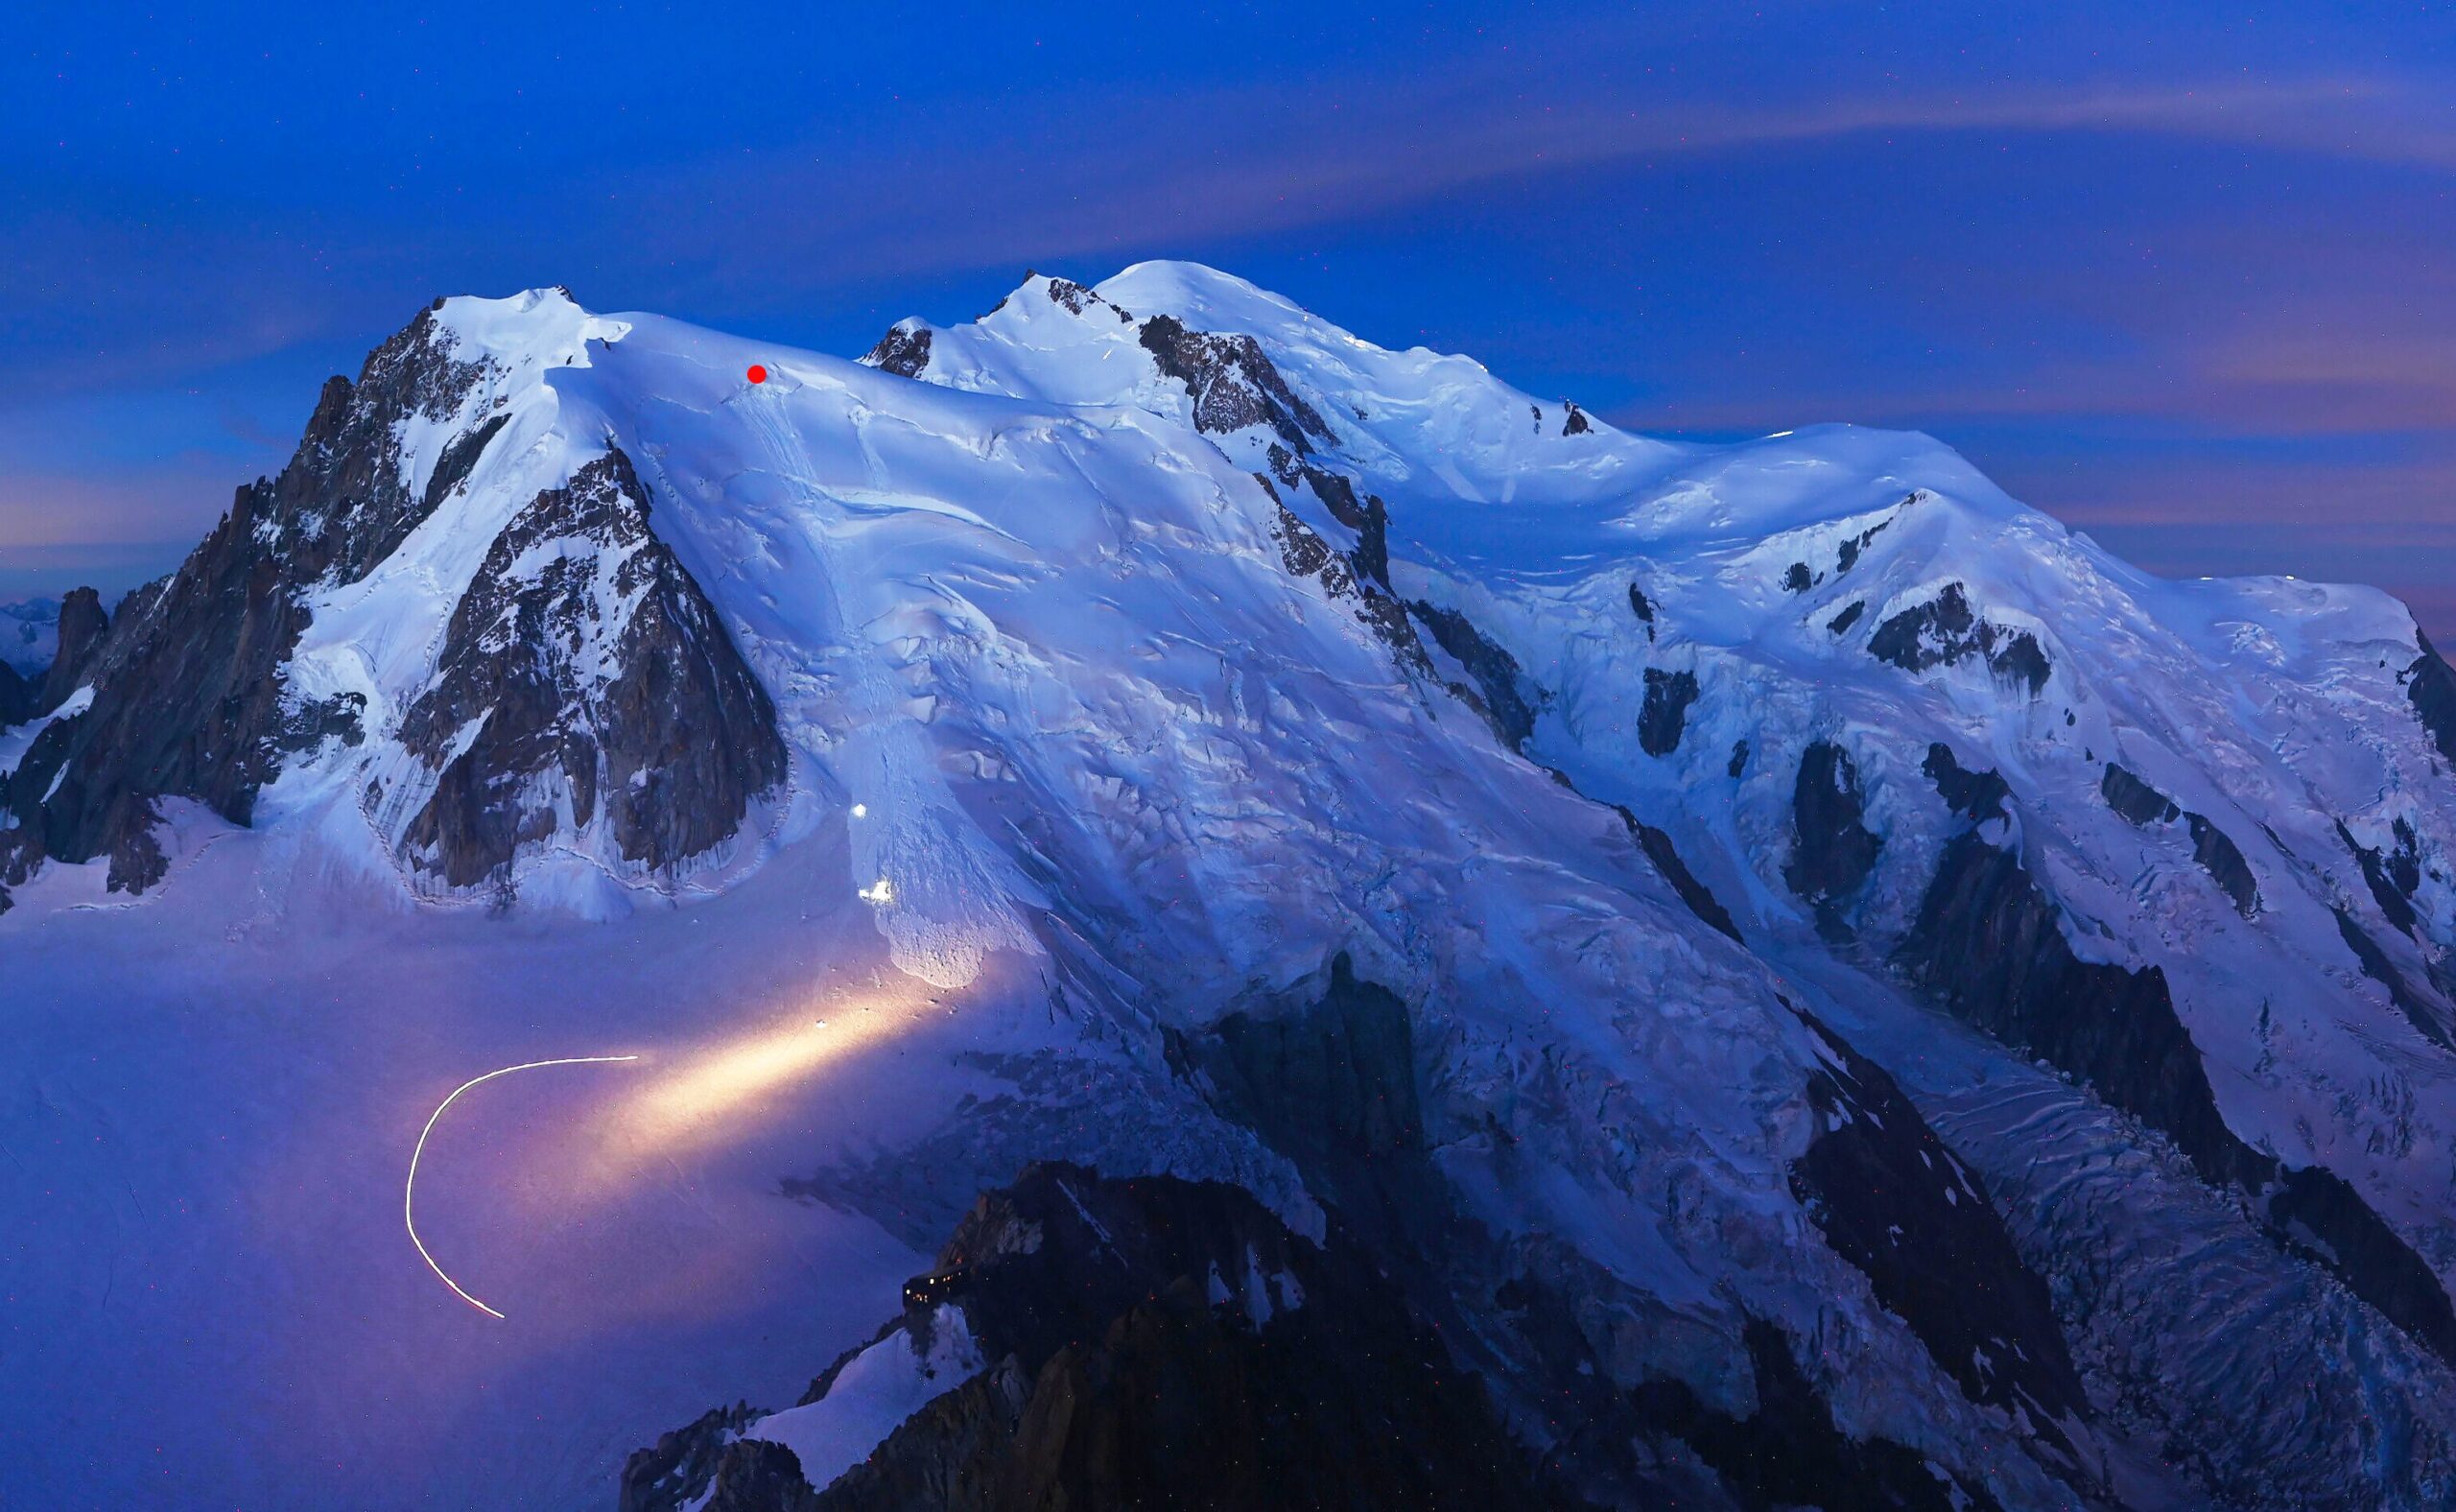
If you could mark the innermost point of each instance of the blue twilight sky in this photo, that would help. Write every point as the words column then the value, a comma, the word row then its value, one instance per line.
column 2180, row 274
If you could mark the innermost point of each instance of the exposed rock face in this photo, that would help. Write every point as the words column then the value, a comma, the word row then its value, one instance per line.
column 2135, row 800
column 1231, row 382
column 1895, row 1203
column 2217, row 855
column 1643, row 607
column 1850, row 616
column 1304, row 553
column 1332, row 1085
column 2376, row 966
column 1989, row 943
column 585, row 668
column 1833, row 851
column 20, row 700
column 1789, row 1454
column 1576, row 422
column 2431, row 684
column 664, row 1477
column 2223, row 860
column 2316, row 1213
column 1989, row 946
column 1974, row 795
column 1666, row 859
column 2392, row 876
column 1338, row 1079
column 83, row 627
column 1159, row 1342
column 1505, row 693
column 1848, row 556
column 189, row 685
column 1368, row 517
column 1945, row 630
column 904, row 350
column 1666, row 711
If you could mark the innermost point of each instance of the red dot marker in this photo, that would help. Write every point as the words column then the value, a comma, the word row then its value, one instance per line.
column 758, row 374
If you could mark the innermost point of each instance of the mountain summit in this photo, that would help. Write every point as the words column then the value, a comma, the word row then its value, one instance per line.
column 1790, row 976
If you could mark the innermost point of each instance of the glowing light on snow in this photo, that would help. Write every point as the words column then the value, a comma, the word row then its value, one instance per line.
column 715, row 1095
column 879, row 892
column 860, row 811
column 410, row 1187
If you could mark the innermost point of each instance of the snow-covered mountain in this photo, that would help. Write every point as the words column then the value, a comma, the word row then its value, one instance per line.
column 30, row 635
column 1807, row 981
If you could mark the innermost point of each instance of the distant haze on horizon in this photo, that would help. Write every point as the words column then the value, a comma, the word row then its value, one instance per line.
column 2175, row 274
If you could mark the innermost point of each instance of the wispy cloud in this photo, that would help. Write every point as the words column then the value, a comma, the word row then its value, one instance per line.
column 1044, row 182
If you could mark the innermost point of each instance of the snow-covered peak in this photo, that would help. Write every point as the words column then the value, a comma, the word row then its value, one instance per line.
column 533, row 330
column 1209, row 299
column 30, row 634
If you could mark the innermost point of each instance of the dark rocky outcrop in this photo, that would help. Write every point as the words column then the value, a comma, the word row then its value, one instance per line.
column 1508, row 698
column 2392, row 876
column 1850, row 616
column 1666, row 711
column 1797, row 579
column 955, row 1453
column 1895, row 1202
column 1666, row 859
column 1160, row 1342
column 1331, row 1084
column 1576, row 424
column 1989, row 946
column 1788, row 1452
column 1078, row 299
column 2316, row 1213
column 1833, row 850
column 2135, row 799
column 1304, row 553
column 1368, row 517
column 1337, row 1078
column 189, row 684
column 654, row 719
column 2144, row 806
column 20, row 700
column 2224, row 861
column 1643, row 607
column 1231, row 382
column 2376, row 966
column 1975, row 796
column 667, row 1476
column 904, row 350
column 82, row 630
column 2431, row 686
column 1739, row 759
column 1848, row 556
column 1945, row 630
column 754, row 1475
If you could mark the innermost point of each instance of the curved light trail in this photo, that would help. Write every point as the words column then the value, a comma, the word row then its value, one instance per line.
column 409, row 1189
